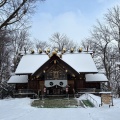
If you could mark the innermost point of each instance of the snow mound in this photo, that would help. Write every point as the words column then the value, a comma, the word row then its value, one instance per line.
column 96, row 100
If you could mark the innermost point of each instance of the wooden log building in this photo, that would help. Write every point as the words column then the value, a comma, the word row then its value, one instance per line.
column 56, row 73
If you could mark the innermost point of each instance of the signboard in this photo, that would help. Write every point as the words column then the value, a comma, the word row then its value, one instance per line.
column 106, row 98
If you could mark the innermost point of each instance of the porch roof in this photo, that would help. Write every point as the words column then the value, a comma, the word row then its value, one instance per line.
column 96, row 78
column 18, row 79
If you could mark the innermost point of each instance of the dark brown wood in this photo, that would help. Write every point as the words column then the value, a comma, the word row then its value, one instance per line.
column 21, row 86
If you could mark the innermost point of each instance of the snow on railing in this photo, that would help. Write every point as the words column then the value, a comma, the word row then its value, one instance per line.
column 91, row 99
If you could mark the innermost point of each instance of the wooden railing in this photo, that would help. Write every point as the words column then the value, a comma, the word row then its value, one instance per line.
column 24, row 92
column 90, row 90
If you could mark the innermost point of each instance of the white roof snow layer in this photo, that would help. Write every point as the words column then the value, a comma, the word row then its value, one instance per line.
column 30, row 63
column 18, row 79
column 81, row 62
column 96, row 77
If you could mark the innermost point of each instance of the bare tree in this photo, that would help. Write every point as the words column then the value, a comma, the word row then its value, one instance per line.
column 107, row 52
column 100, row 42
column 102, row 38
column 5, row 55
column 20, row 42
column 87, row 44
column 61, row 41
column 41, row 45
column 113, row 19
column 14, row 15
column 13, row 11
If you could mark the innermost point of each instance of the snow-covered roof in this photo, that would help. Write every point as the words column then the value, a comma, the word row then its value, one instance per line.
column 18, row 79
column 30, row 63
column 81, row 62
column 96, row 77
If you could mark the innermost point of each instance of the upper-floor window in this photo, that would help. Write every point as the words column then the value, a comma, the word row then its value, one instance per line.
column 55, row 73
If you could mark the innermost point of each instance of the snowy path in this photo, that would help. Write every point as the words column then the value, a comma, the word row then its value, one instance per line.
column 20, row 109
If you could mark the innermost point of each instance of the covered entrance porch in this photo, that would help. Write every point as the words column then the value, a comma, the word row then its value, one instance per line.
column 56, row 87
column 55, row 90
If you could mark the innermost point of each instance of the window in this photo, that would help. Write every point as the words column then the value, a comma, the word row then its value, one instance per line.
column 55, row 74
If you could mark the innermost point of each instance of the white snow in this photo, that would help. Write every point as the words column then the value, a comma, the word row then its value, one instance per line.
column 117, row 63
column 30, row 63
column 81, row 62
column 105, row 92
column 18, row 79
column 97, row 99
column 20, row 109
column 96, row 77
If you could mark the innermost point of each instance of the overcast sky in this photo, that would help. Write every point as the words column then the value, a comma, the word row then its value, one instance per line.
column 74, row 18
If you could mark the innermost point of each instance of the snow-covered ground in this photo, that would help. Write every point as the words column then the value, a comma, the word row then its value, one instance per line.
column 20, row 109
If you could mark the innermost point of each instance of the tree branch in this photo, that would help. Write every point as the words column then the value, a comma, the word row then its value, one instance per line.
column 5, row 23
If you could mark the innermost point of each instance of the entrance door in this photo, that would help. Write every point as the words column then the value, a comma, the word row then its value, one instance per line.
column 56, row 91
